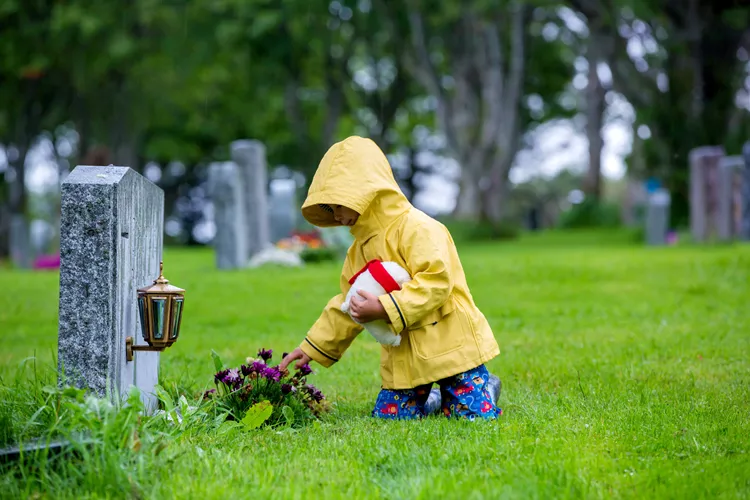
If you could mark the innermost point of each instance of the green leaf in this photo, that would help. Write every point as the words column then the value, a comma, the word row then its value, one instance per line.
column 257, row 414
column 288, row 415
column 218, row 363
column 164, row 397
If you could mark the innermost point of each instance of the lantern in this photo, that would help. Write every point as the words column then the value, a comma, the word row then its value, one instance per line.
column 160, row 312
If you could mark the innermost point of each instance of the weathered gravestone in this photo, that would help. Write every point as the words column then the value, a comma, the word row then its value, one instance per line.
column 228, row 197
column 729, row 197
column 745, row 195
column 250, row 156
column 704, row 195
column 657, row 217
column 111, row 236
column 282, row 208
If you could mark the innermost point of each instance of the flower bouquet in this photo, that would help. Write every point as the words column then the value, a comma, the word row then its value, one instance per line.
column 258, row 394
column 308, row 245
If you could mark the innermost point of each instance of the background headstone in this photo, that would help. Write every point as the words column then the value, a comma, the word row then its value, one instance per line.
column 111, row 238
column 745, row 195
column 228, row 197
column 282, row 208
column 250, row 156
column 729, row 204
column 704, row 173
column 657, row 217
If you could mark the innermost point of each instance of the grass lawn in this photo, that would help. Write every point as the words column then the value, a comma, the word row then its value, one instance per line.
column 626, row 372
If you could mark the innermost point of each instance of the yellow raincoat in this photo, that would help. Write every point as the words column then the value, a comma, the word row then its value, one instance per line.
column 442, row 331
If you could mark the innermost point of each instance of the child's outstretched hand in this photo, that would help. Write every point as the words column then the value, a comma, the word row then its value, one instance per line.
column 295, row 354
column 367, row 308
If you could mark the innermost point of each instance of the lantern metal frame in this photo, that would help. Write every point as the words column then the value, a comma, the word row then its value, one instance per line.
column 160, row 307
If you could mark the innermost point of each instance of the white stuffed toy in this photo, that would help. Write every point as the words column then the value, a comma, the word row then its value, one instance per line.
column 378, row 278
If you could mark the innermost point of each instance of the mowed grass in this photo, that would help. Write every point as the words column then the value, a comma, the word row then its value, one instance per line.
column 625, row 372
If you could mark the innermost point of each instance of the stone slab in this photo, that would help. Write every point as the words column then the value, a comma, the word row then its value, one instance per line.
column 228, row 197
column 250, row 156
column 111, row 240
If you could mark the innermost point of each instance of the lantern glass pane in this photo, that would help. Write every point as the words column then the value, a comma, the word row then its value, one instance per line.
column 176, row 317
column 142, row 316
column 159, row 310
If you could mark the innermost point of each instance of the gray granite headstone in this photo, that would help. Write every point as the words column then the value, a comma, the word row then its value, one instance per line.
column 21, row 252
column 250, row 156
column 704, row 167
column 745, row 195
column 228, row 198
column 282, row 208
column 111, row 237
column 657, row 217
column 729, row 205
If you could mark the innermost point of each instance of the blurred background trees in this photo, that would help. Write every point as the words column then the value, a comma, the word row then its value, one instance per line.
column 496, row 111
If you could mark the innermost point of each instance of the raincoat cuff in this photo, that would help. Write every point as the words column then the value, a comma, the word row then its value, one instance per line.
column 393, row 310
column 317, row 354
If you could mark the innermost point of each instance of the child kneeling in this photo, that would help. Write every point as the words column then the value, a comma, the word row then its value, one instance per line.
column 445, row 339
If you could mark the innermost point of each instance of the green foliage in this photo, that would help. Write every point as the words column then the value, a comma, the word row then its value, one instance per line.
column 257, row 415
column 478, row 231
column 590, row 214
column 322, row 254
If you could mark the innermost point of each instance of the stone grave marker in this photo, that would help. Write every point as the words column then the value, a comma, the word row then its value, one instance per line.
column 657, row 217
column 745, row 195
column 729, row 197
column 250, row 156
column 111, row 237
column 704, row 203
column 282, row 208
column 228, row 197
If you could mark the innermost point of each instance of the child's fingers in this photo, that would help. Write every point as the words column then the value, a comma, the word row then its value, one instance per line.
column 367, row 295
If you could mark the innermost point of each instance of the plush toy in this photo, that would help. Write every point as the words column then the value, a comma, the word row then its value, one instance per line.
column 378, row 278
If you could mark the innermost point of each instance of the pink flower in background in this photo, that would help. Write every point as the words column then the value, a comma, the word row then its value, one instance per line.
column 47, row 262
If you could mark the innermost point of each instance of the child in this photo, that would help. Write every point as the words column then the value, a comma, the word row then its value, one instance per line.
column 444, row 337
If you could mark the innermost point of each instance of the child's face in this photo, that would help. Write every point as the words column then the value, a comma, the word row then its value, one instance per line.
column 345, row 216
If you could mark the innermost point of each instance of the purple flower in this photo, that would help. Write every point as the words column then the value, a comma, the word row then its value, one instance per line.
column 284, row 355
column 305, row 370
column 264, row 354
column 219, row 376
column 232, row 378
column 287, row 388
column 314, row 393
column 272, row 373
column 246, row 370
column 258, row 367
column 208, row 393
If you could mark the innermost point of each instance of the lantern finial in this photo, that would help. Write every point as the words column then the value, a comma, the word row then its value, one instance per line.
column 161, row 280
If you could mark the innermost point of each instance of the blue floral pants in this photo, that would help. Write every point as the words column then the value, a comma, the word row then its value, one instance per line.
column 462, row 396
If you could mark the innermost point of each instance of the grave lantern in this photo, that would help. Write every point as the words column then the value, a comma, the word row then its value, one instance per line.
column 160, row 312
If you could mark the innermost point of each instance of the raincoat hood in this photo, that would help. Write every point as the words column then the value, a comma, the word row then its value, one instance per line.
column 356, row 174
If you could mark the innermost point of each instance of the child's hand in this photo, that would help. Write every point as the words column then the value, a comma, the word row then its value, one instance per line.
column 295, row 354
column 368, row 308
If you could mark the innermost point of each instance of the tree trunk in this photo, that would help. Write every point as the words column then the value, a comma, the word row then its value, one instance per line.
column 469, row 202
column 594, row 117
column 20, row 249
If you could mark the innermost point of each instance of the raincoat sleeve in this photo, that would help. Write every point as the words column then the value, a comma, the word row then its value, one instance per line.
column 334, row 331
column 427, row 252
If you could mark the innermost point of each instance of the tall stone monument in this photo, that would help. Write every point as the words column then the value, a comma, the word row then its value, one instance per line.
column 111, row 237
column 250, row 156
column 704, row 195
column 225, row 186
